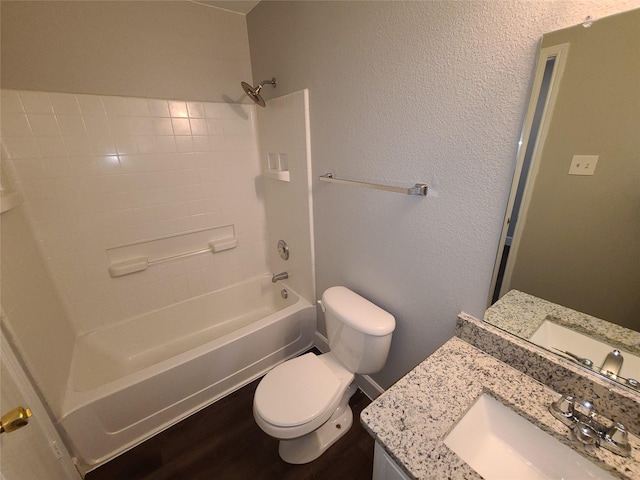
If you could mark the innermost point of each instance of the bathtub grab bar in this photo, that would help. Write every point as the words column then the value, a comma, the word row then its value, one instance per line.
column 140, row 264
column 418, row 189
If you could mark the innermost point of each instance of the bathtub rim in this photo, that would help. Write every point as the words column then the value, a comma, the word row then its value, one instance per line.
column 88, row 464
column 74, row 400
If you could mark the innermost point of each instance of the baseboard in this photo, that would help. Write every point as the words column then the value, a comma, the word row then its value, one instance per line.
column 321, row 342
column 365, row 383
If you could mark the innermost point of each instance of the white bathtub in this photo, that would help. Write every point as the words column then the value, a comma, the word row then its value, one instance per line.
column 134, row 379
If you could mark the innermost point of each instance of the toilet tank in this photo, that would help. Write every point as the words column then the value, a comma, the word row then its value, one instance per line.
column 359, row 332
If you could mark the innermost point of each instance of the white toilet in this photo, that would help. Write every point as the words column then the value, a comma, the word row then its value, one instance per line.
column 304, row 402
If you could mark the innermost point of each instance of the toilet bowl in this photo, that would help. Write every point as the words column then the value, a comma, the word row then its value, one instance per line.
column 304, row 402
column 297, row 400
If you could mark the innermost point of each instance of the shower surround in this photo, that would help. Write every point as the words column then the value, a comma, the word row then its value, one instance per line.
column 103, row 172
column 98, row 172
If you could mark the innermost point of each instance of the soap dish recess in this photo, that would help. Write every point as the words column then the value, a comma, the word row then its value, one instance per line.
column 282, row 175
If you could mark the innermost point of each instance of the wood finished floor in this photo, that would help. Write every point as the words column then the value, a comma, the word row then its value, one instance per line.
column 223, row 442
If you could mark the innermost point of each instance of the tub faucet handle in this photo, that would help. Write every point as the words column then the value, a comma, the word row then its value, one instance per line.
column 279, row 276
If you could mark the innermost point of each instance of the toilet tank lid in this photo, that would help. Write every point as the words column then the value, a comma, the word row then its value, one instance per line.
column 358, row 312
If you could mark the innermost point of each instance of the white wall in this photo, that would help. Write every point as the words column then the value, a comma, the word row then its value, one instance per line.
column 405, row 92
column 166, row 49
column 32, row 309
column 99, row 172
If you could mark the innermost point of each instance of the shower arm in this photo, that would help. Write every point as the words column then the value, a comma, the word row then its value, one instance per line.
column 266, row 82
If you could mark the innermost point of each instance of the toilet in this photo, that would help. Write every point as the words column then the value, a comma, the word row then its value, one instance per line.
column 304, row 402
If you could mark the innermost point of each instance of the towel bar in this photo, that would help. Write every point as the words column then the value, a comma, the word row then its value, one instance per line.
column 418, row 189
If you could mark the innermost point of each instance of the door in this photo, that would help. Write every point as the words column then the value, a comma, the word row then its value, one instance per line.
column 34, row 451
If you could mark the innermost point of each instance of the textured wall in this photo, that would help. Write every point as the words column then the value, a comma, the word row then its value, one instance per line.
column 168, row 49
column 402, row 92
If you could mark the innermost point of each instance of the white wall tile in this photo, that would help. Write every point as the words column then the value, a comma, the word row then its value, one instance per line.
column 212, row 110
column 215, row 126
column 108, row 171
column 143, row 126
column 102, row 144
column 44, row 125
column 121, row 125
column 30, row 169
column 181, row 126
column 36, row 102
column 109, row 165
column 15, row 124
column 184, row 144
column 178, row 109
column 51, row 146
column 138, row 107
column 115, row 106
column 126, row 144
column 97, row 125
column 77, row 145
column 198, row 126
column 21, row 147
column 166, row 144
column 162, row 126
column 201, row 144
column 11, row 102
column 64, row 104
column 91, row 105
column 159, row 108
column 195, row 109
column 235, row 126
column 71, row 125
column 147, row 144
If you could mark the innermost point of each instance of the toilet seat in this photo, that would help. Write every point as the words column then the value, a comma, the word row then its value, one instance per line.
column 297, row 391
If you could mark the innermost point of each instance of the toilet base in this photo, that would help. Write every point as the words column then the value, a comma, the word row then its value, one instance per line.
column 307, row 448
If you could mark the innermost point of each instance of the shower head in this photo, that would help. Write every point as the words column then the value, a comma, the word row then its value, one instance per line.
column 254, row 92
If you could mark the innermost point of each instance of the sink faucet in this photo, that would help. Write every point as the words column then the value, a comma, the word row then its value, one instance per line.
column 612, row 364
column 279, row 276
column 579, row 416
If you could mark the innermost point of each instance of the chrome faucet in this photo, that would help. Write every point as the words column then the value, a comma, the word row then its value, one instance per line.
column 612, row 364
column 579, row 416
column 279, row 276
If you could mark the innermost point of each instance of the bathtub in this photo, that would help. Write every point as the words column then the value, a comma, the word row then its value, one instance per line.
column 131, row 380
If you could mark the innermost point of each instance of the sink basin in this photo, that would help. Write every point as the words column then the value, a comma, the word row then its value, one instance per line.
column 555, row 337
column 500, row 444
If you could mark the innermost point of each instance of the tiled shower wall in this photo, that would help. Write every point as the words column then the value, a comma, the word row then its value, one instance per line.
column 98, row 172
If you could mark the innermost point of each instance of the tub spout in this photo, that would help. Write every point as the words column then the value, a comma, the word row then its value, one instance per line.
column 279, row 276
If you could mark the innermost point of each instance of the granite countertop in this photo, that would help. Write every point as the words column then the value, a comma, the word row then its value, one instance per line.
column 411, row 419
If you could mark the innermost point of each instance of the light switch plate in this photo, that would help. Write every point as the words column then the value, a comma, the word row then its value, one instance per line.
column 583, row 164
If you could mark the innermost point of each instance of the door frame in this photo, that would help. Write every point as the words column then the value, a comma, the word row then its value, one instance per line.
column 39, row 412
column 559, row 53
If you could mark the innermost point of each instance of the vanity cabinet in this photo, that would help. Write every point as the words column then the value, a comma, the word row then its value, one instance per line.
column 384, row 468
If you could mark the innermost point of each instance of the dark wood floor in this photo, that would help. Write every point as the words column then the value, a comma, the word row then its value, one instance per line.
column 223, row 442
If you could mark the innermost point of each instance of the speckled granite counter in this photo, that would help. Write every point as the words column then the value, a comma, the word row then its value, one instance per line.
column 521, row 314
column 411, row 419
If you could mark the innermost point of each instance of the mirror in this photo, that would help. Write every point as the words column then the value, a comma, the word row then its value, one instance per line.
column 570, row 248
